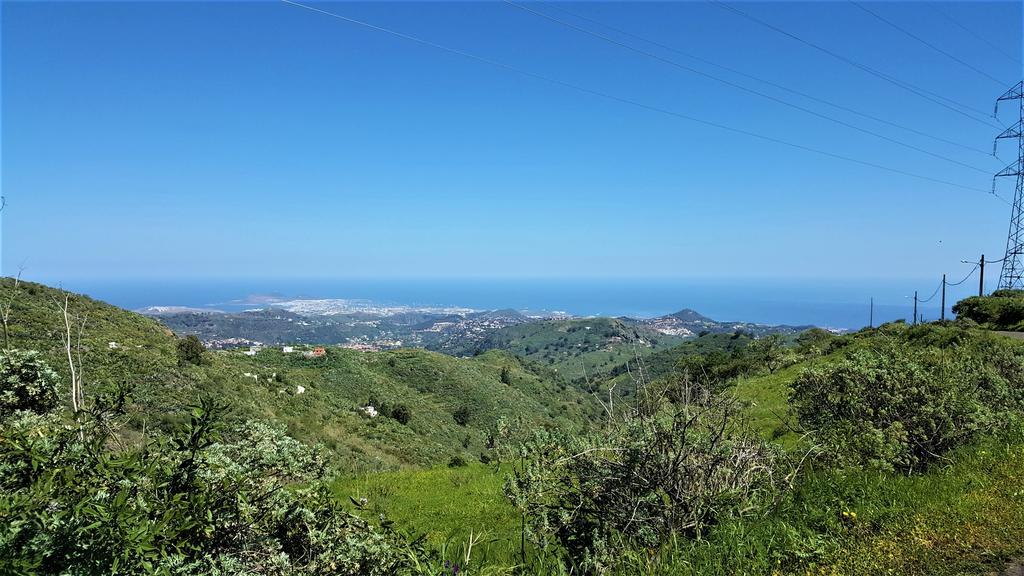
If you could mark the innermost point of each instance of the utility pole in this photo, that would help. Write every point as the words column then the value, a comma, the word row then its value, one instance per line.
column 981, row 281
column 1012, row 274
column 915, row 306
column 943, row 315
column 871, row 318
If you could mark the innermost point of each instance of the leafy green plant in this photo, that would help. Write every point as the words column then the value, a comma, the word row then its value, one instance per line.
column 206, row 500
column 26, row 383
column 906, row 402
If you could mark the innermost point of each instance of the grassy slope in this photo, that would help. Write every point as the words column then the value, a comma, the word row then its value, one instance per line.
column 433, row 385
column 445, row 504
column 963, row 518
column 569, row 346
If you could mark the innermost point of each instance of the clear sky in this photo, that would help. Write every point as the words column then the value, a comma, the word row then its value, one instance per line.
column 220, row 140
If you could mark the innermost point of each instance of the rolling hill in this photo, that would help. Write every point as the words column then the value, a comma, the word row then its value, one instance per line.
column 321, row 400
column 580, row 346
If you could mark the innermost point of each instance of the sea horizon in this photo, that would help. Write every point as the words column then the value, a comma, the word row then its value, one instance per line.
column 828, row 304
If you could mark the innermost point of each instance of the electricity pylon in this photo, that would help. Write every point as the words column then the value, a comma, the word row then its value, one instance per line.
column 1013, row 262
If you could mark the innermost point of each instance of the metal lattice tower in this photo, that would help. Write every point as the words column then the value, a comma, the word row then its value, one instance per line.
column 1012, row 274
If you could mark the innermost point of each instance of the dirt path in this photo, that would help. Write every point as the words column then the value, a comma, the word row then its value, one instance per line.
column 1016, row 568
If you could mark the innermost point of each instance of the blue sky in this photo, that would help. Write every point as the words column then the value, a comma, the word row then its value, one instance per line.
column 225, row 140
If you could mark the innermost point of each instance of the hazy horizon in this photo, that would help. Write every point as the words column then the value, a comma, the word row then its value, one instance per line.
column 832, row 304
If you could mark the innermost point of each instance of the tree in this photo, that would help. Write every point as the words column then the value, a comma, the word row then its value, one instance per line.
column 770, row 352
column 506, row 375
column 190, row 350
column 26, row 383
column 401, row 413
column 462, row 415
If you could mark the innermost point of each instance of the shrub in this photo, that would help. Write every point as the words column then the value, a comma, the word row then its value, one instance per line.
column 457, row 461
column 903, row 405
column 204, row 501
column 1002, row 309
column 678, row 471
column 26, row 383
column 190, row 350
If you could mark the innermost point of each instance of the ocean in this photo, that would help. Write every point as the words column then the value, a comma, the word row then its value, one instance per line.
column 827, row 304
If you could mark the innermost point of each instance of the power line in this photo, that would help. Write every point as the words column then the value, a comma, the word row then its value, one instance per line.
column 925, row 42
column 928, row 299
column 969, row 274
column 635, row 103
column 921, row 92
column 740, row 86
column 973, row 33
column 768, row 82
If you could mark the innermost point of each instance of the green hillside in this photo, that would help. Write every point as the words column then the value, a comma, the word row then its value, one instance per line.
column 576, row 347
column 964, row 515
column 664, row 362
column 895, row 450
column 319, row 399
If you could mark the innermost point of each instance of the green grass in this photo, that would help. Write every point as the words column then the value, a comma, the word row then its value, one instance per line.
column 765, row 400
column 445, row 504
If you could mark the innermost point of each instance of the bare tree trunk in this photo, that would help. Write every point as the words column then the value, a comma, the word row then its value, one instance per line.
column 73, row 349
column 8, row 305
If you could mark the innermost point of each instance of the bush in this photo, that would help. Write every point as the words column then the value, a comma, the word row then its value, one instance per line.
column 190, row 351
column 678, row 471
column 1003, row 309
column 204, row 501
column 903, row 405
column 26, row 383
column 457, row 461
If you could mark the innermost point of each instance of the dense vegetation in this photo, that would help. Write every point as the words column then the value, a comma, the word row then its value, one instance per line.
column 893, row 450
column 75, row 499
column 1001, row 310
column 577, row 347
